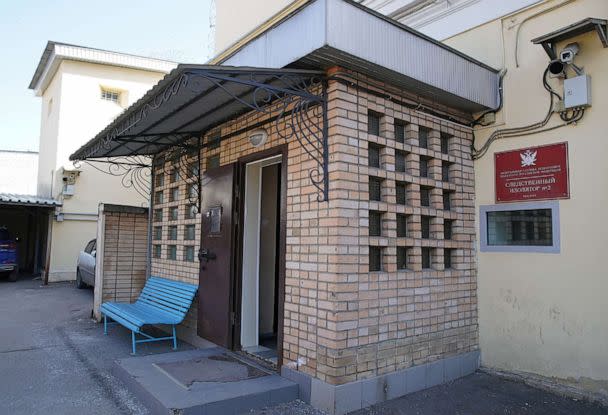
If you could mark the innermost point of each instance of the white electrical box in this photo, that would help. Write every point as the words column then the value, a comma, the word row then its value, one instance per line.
column 577, row 91
column 69, row 189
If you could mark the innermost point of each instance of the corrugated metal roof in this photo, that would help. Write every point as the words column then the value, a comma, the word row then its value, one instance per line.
column 325, row 33
column 27, row 200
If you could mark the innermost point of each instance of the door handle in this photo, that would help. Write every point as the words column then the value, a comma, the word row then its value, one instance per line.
column 206, row 255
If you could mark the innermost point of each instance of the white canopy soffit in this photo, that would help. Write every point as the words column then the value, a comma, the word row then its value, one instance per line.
column 325, row 33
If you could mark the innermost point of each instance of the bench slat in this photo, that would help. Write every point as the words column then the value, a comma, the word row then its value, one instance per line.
column 172, row 299
column 161, row 302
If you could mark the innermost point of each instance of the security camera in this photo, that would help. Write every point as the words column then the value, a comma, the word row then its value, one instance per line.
column 556, row 67
column 568, row 53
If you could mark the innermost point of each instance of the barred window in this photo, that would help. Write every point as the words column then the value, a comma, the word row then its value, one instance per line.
column 189, row 232
column 425, row 196
column 401, row 225
column 375, row 223
column 174, row 194
column 423, row 137
column 193, row 169
column 445, row 171
column 156, row 250
column 192, row 191
column 189, row 253
column 375, row 188
column 108, row 95
column 373, row 155
column 375, row 258
column 424, row 167
column 399, row 131
column 447, row 228
column 174, row 176
column 213, row 161
column 401, row 193
column 520, row 227
column 426, row 258
column 373, row 123
column 191, row 211
column 425, row 224
column 172, row 252
column 159, row 197
column 158, row 215
column 445, row 143
column 447, row 200
column 400, row 161
column 402, row 257
column 214, row 141
column 447, row 258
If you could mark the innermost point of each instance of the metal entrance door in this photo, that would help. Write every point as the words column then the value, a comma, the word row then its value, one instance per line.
column 216, row 277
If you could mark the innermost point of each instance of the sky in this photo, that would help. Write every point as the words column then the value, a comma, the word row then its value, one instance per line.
column 175, row 30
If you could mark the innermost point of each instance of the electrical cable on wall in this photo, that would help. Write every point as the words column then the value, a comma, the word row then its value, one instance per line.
column 534, row 128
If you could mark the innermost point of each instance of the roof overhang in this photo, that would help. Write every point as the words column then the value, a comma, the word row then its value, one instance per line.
column 11, row 199
column 324, row 33
column 56, row 52
column 191, row 100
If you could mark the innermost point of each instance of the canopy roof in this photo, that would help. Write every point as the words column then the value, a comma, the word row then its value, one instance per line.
column 189, row 101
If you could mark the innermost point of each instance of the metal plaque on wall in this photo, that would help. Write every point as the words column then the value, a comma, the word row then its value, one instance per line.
column 533, row 173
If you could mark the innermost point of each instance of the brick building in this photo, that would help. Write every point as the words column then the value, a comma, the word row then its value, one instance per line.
column 326, row 211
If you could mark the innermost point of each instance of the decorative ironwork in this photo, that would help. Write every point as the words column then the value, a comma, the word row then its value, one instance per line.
column 134, row 170
column 295, row 103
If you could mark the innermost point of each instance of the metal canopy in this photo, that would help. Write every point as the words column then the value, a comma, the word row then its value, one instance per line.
column 194, row 99
column 589, row 24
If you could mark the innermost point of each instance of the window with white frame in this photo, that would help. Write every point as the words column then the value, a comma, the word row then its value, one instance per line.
column 109, row 95
column 520, row 227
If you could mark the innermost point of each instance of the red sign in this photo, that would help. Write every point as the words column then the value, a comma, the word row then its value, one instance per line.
column 534, row 173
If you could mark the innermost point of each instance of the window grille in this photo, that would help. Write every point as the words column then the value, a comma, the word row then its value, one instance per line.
column 423, row 137
column 108, row 95
column 375, row 188
column 400, row 161
column 172, row 252
column 373, row 155
column 375, row 223
column 401, row 193
column 189, row 232
column 402, row 257
column 426, row 258
column 399, row 131
column 425, row 224
column 375, row 258
column 373, row 123
column 401, row 225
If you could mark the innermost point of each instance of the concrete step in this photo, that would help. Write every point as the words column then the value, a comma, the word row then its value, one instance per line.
column 203, row 381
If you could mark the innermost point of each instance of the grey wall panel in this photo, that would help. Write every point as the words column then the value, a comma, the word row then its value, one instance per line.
column 287, row 42
column 336, row 32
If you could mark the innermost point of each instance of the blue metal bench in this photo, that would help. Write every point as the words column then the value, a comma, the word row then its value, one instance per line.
column 160, row 302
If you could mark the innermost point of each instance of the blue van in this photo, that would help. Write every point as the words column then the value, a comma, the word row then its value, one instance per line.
column 8, row 255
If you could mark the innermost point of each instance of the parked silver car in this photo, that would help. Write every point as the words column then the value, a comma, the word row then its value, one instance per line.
column 85, row 267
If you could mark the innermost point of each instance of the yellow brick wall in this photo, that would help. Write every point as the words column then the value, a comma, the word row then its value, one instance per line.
column 343, row 322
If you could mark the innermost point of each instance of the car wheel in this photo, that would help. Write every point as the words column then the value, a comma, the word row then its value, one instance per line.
column 79, row 283
column 12, row 277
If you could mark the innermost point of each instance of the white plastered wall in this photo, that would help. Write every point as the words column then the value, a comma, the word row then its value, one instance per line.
column 546, row 313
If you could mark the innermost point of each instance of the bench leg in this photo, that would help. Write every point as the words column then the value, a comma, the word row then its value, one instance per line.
column 133, row 341
column 105, row 324
column 174, row 339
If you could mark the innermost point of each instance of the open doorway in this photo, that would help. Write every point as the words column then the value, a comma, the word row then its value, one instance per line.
column 260, row 262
